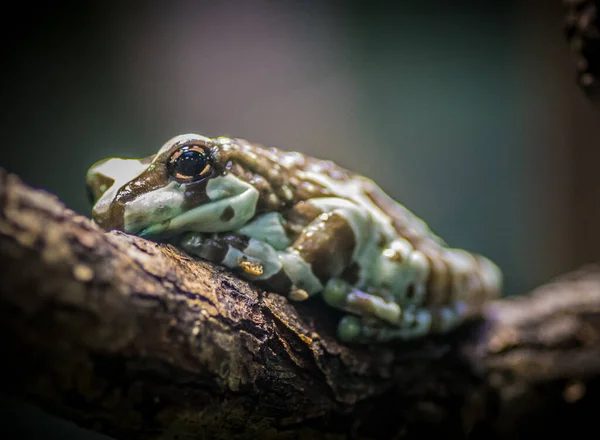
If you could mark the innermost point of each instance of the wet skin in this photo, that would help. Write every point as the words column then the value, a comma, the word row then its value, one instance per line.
column 298, row 226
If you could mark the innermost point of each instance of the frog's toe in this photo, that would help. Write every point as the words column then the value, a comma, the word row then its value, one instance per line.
column 416, row 323
column 339, row 294
column 360, row 329
column 349, row 328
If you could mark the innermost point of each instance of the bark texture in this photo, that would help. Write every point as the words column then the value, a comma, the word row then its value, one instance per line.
column 137, row 340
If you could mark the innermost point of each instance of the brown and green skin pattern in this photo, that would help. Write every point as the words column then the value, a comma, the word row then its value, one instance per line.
column 300, row 226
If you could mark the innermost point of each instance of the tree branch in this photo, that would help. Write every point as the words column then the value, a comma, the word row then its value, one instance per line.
column 137, row 340
column 583, row 35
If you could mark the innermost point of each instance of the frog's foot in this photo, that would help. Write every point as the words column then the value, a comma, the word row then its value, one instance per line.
column 252, row 259
column 417, row 322
column 377, row 317
column 341, row 295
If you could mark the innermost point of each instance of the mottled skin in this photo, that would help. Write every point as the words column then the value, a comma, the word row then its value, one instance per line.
column 298, row 226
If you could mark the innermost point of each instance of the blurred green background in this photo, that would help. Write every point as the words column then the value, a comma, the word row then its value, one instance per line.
column 467, row 112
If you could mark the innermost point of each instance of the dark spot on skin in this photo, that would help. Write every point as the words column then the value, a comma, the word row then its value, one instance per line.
column 410, row 291
column 350, row 274
column 208, row 249
column 195, row 194
column 216, row 247
column 279, row 282
column 227, row 214
column 298, row 217
column 327, row 245
column 239, row 242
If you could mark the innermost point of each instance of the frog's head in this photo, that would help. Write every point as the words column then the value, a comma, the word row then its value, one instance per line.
column 184, row 187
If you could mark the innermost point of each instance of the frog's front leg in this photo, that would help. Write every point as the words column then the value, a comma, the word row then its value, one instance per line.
column 296, row 255
column 253, row 259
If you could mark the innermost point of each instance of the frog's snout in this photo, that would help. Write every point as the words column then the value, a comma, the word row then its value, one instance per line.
column 96, row 182
column 104, row 180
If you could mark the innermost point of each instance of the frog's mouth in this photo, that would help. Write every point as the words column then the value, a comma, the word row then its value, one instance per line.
column 229, row 204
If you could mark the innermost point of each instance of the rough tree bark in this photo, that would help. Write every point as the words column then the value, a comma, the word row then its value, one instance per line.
column 137, row 340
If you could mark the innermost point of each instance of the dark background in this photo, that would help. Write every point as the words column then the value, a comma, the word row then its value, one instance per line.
column 465, row 111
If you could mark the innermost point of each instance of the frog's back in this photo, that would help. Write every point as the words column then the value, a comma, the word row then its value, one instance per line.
column 309, row 177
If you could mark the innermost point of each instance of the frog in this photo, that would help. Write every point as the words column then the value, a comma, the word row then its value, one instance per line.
column 298, row 226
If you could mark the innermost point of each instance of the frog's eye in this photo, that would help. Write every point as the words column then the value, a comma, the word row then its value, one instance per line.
column 190, row 163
